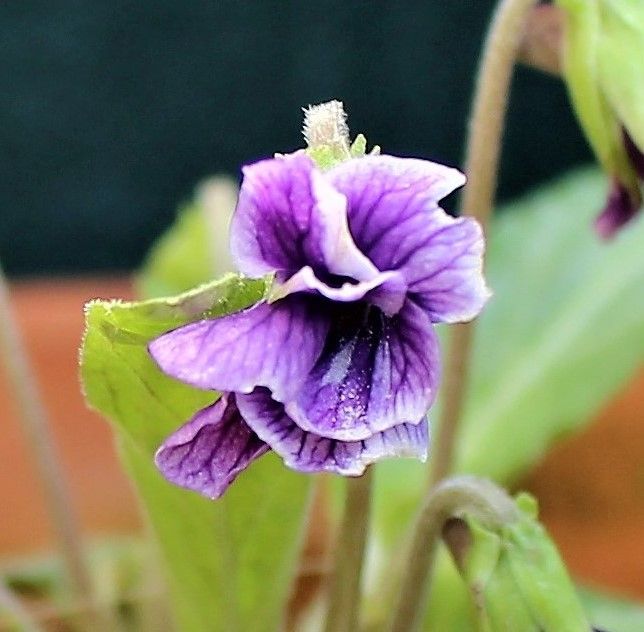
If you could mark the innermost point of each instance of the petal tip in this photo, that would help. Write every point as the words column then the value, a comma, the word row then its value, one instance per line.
column 622, row 205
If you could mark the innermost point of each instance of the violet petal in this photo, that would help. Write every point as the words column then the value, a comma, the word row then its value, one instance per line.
column 375, row 372
column 387, row 290
column 272, row 345
column 307, row 452
column 208, row 452
column 620, row 208
column 444, row 269
column 289, row 216
column 396, row 221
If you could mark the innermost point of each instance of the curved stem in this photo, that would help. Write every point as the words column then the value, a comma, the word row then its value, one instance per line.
column 344, row 592
column 36, row 426
column 451, row 498
column 481, row 165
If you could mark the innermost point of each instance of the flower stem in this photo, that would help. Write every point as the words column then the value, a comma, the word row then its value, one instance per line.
column 36, row 426
column 481, row 166
column 344, row 592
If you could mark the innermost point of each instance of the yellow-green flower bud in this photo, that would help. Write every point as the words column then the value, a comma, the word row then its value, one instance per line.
column 603, row 65
column 326, row 133
column 517, row 578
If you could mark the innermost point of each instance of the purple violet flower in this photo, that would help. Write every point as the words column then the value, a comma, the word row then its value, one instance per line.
column 338, row 367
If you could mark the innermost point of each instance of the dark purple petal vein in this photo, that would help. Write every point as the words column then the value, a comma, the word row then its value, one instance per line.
column 396, row 221
column 208, row 452
column 375, row 372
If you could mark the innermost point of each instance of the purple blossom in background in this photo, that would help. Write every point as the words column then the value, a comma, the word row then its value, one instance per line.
column 623, row 202
column 339, row 366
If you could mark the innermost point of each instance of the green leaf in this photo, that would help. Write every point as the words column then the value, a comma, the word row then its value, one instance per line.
column 561, row 334
column 613, row 614
column 229, row 561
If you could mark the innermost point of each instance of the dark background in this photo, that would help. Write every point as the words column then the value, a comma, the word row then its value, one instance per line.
column 111, row 111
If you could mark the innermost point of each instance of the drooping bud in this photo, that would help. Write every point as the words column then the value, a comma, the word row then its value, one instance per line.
column 515, row 575
column 603, row 65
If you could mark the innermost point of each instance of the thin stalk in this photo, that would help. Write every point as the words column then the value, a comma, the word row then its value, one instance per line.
column 36, row 426
column 450, row 498
column 481, row 166
column 482, row 155
column 344, row 592
column 11, row 605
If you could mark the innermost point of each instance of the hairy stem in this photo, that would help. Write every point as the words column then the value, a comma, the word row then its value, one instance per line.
column 481, row 166
column 344, row 591
column 36, row 426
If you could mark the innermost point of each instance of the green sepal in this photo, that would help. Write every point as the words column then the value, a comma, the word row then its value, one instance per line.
column 359, row 146
column 621, row 62
column 517, row 579
column 326, row 156
column 603, row 68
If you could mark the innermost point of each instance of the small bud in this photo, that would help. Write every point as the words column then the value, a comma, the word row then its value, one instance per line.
column 516, row 577
column 326, row 133
column 325, row 128
column 603, row 65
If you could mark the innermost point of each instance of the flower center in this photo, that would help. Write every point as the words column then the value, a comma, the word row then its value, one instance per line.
column 334, row 280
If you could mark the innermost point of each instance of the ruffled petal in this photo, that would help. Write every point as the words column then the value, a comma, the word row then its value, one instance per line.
column 385, row 197
column 208, row 452
column 444, row 269
column 272, row 345
column 387, row 290
column 289, row 216
column 396, row 221
column 375, row 372
column 308, row 452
